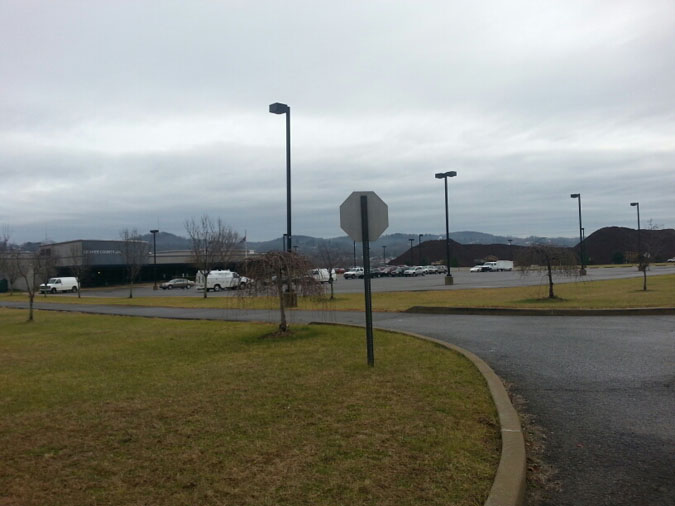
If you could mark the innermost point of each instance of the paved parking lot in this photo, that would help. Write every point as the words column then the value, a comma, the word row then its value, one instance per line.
column 463, row 279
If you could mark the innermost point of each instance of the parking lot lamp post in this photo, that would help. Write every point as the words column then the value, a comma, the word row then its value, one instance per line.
column 510, row 248
column 582, row 270
column 445, row 175
column 354, row 264
column 384, row 254
column 154, row 253
column 637, row 205
column 419, row 246
column 412, row 260
column 278, row 108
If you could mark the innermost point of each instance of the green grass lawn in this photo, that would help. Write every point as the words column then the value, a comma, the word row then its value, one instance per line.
column 615, row 293
column 117, row 410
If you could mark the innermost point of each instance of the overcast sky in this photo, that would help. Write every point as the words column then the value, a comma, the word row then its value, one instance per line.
column 144, row 114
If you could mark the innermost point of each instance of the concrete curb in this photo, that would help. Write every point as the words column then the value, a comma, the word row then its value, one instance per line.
column 497, row 311
column 508, row 487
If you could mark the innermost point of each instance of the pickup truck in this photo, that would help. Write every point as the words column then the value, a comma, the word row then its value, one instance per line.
column 354, row 272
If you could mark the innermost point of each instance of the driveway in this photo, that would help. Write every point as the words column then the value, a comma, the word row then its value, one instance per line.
column 600, row 387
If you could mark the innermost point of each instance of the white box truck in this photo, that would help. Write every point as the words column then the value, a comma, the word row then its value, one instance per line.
column 499, row 265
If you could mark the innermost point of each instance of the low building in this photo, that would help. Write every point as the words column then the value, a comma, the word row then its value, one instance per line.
column 102, row 262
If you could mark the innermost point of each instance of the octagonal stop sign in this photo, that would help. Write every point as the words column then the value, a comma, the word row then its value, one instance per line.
column 350, row 216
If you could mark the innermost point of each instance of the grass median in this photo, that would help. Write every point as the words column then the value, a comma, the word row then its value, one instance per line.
column 117, row 410
column 606, row 294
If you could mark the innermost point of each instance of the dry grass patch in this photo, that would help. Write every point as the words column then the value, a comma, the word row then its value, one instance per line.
column 116, row 410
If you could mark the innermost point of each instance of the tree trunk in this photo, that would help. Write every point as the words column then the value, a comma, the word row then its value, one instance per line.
column 31, row 296
column 283, row 326
column 332, row 293
column 551, row 295
column 205, row 285
column 131, row 290
column 644, row 278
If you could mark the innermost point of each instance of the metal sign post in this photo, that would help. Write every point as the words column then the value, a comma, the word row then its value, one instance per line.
column 364, row 216
column 366, row 280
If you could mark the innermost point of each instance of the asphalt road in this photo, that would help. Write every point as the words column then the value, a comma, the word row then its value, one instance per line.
column 600, row 387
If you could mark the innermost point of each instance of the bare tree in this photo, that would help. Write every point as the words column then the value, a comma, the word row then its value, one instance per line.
column 212, row 244
column 284, row 275
column 652, row 248
column 329, row 258
column 8, row 266
column 79, row 263
column 555, row 260
column 33, row 268
column 134, row 254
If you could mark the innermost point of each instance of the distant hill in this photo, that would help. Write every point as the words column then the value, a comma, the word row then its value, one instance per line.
column 461, row 255
column 397, row 244
column 606, row 245
column 618, row 244
column 167, row 241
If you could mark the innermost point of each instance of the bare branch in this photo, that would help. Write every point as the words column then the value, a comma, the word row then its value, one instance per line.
column 284, row 275
column 213, row 244
column 134, row 254
column 555, row 260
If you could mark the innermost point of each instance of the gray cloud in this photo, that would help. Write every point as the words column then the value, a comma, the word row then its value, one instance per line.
column 126, row 114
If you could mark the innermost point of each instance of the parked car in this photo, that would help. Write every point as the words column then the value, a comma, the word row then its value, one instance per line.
column 480, row 268
column 430, row 269
column 353, row 273
column 414, row 271
column 390, row 270
column 671, row 260
column 398, row 272
column 379, row 272
column 177, row 283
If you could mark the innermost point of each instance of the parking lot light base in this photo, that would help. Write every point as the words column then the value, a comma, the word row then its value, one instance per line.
column 449, row 280
column 582, row 271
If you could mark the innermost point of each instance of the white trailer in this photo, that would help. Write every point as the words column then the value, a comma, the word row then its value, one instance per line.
column 499, row 265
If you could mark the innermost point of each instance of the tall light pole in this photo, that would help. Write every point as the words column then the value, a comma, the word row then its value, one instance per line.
column 412, row 260
column 445, row 175
column 582, row 270
column 637, row 204
column 354, row 264
column 384, row 254
column 154, row 250
column 510, row 248
column 642, row 264
column 419, row 247
column 278, row 108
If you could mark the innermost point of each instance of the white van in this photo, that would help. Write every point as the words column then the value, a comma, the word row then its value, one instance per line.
column 220, row 280
column 55, row 285
column 323, row 275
